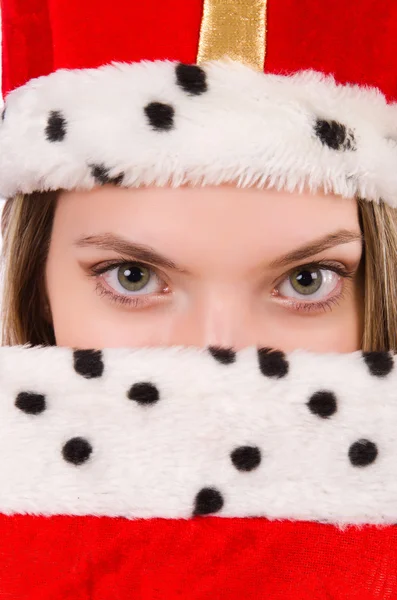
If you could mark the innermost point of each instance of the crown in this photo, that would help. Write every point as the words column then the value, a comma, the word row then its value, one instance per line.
column 277, row 94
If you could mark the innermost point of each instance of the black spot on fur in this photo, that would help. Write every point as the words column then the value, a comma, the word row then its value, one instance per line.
column 77, row 451
column 56, row 127
column 88, row 363
column 362, row 453
column 323, row 404
column 208, row 501
column 335, row 135
column 272, row 363
column 161, row 116
column 101, row 175
column 192, row 79
column 226, row 356
column 144, row 393
column 379, row 364
column 246, row 458
column 30, row 403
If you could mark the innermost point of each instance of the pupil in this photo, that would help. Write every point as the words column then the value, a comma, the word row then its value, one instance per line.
column 133, row 275
column 306, row 278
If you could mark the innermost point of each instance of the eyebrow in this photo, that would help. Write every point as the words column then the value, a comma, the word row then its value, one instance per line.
column 330, row 240
column 141, row 252
column 129, row 250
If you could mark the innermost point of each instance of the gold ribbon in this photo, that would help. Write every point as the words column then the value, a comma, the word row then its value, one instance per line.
column 234, row 29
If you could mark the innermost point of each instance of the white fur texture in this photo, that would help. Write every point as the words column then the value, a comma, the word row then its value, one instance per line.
column 151, row 461
column 249, row 128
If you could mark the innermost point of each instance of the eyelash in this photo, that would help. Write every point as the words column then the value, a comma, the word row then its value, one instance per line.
column 141, row 301
column 318, row 306
column 327, row 304
column 132, row 302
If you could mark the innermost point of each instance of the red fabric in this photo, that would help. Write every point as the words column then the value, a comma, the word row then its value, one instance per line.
column 76, row 34
column 89, row 34
column 355, row 41
column 91, row 558
column 26, row 41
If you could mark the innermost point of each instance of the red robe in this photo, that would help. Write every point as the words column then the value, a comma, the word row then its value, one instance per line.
column 165, row 474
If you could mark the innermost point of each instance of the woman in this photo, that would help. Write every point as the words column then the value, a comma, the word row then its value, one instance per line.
column 150, row 266
column 133, row 261
column 169, row 203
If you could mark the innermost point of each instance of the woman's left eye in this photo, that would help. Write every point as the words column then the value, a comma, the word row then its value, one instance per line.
column 309, row 283
column 132, row 279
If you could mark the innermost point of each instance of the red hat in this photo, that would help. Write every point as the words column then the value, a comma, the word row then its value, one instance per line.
column 101, row 93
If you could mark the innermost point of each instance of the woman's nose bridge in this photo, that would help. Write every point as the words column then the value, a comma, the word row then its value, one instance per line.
column 223, row 318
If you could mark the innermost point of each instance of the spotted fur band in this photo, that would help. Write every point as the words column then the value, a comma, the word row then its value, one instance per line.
column 182, row 432
column 159, row 123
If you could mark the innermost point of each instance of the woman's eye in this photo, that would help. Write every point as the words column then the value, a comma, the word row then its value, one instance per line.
column 132, row 279
column 309, row 283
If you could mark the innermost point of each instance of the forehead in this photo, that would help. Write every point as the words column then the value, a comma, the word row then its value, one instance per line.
column 168, row 219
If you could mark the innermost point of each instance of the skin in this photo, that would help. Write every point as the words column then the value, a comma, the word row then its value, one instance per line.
column 234, row 253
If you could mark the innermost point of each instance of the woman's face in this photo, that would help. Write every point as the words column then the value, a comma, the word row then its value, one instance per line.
column 205, row 266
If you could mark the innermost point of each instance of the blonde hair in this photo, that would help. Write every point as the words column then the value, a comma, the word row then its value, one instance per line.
column 27, row 225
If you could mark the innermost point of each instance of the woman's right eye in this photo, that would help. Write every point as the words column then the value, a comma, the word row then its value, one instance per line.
column 132, row 279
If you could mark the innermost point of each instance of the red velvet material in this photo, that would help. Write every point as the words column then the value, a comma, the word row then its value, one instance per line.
column 27, row 47
column 91, row 558
column 40, row 36
column 355, row 41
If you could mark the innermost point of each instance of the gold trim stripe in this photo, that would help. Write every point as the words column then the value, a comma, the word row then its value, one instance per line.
column 234, row 29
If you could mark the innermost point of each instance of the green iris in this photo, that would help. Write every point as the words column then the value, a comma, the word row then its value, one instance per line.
column 133, row 277
column 306, row 281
